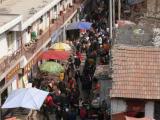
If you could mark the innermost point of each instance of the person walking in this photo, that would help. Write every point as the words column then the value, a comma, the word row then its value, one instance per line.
column 72, row 114
column 45, row 112
column 58, row 113
column 83, row 113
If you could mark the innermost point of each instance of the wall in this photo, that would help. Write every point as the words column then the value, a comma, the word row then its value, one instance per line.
column 15, row 41
column 149, row 109
column 3, row 42
column 65, row 4
column 47, row 20
column 71, row 2
column 118, row 106
column 35, row 27
column 153, row 6
column 54, row 13
column 26, row 36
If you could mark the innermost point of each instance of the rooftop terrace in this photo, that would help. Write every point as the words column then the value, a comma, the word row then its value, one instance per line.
column 26, row 8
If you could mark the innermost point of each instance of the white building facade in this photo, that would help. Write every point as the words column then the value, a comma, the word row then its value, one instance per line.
column 20, row 29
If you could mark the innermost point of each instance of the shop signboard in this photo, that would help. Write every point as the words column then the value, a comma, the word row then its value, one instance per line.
column 12, row 73
column 28, row 67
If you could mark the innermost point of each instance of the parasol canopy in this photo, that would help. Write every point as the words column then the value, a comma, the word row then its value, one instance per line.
column 55, row 55
column 31, row 98
column 51, row 67
column 61, row 46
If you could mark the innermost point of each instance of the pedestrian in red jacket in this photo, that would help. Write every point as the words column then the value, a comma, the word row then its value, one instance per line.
column 83, row 113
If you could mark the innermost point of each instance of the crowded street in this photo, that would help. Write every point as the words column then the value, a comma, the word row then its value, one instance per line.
column 74, row 72
column 78, row 92
column 79, row 60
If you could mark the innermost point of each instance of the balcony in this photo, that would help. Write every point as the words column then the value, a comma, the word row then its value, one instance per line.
column 7, row 61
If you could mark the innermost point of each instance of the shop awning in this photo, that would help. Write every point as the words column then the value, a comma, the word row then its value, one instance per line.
column 79, row 25
column 55, row 55
column 132, row 2
column 51, row 67
column 31, row 98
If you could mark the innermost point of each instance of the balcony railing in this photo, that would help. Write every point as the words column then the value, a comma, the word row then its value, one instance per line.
column 7, row 61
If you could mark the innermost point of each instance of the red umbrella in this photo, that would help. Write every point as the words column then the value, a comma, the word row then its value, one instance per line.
column 79, row 55
column 55, row 55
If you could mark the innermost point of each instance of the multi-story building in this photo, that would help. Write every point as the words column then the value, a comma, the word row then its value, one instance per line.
column 26, row 28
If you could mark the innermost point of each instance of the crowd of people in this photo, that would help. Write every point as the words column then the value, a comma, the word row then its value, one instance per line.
column 77, row 91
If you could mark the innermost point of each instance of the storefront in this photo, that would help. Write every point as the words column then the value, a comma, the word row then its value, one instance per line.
column 9, row 83
column 13, row 77
column 30, row 70
column 4, row 94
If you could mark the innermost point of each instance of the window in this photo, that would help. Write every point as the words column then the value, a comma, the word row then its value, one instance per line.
column 135, row 108
column 55, row 8
column 48, row 14
column 2, row 83
column 41, row 19
column 29, row 29
column 10, row 39
column 157, row 110
column 61, row 2
column 18, row 35
column 4, row 96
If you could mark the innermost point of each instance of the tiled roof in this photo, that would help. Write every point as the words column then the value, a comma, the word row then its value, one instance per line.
column 136, row 72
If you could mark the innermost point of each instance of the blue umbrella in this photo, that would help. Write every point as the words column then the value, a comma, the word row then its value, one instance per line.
column 79, row 25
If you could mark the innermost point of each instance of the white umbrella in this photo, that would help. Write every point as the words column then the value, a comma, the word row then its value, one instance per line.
column 31, row 98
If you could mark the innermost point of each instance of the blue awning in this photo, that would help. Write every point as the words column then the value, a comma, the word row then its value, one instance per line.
column 55, row 35
column 132, row 2
column 79, row 25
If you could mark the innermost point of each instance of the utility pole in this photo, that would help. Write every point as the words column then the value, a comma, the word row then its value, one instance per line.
column 119, row 9
column 113, row 12
column 110, row 19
